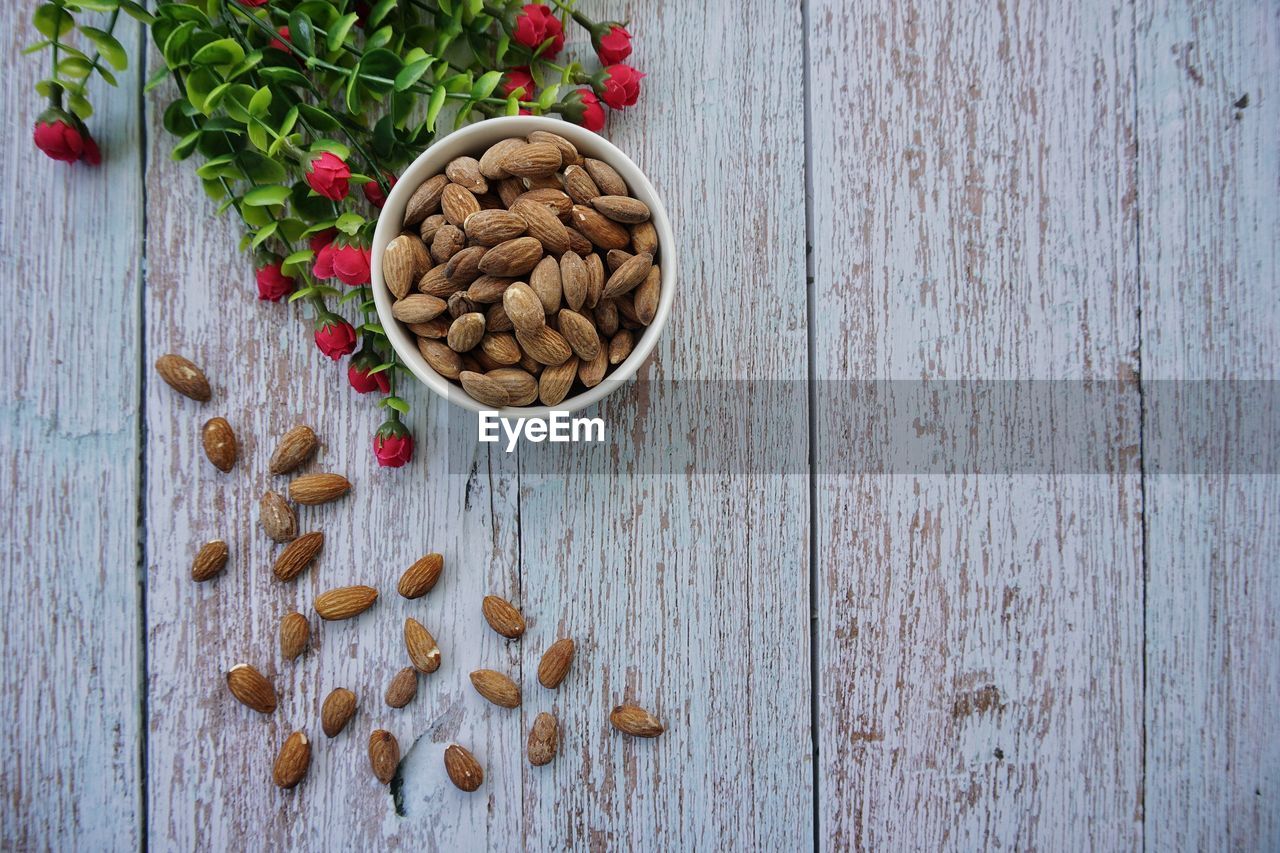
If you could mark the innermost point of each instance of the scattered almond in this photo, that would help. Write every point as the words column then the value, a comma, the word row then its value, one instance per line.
column 251, row 688
column 219, row 443
column 292, row 761
column 294, row 449
column 555, row 663
column 184, row 377
column 345, row 602
column 503, row 617
column 277, row 517
column 634, row 720
column 463, row 769
column 424, row 652
column 294, row 635
column 421, row 577
column 297, row 555
column 311, row 489
column 544, row 738
column 384, row 755
column 210, row 560
column 338, row 709
column 403, row 688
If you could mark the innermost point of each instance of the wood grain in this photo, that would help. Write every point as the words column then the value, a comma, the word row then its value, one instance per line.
column 980, row 636
column 70, row 239
column 1208, row 79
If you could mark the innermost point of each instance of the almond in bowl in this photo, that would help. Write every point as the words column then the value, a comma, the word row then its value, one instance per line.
column 517, row 264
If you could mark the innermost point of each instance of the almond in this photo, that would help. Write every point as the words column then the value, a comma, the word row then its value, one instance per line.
column 573, row 279
column 579, row 243
column 622, row 208
column 486, row 391
column 457, row 204
column 464, row 267
column 647, row 295
column 568, row 151
column 434, row 329
column 403, row 688
column 579, row 185
column 449, row 239
column 465, row 172
column 502, row 617
column 545, row 346
column 436, row 282
column 555, row 663
column 644, row 238
column 294, row 449
column 345, row 602
column 292, row 761
column 251, row 688
column 580, row 334
column 537, row 159
column 210, row 560
column 420, row 578
column 277, row 517
column 418, row 308
column 628, row 276
column 543, row 225
column 627, row 311
column 496, row 687
column 491, row 160
column 606, row 178
column 595, row 280
column 219, row 443
column 616, row 258
column 529, row 366
column 500, row 347
column 544, row 738
column 294, row 635
column 545, row 282
column 313, row 489
column 338, row 709
column 512, row 257
column 460, row 304
column 510, row 189
column 496, row 319
column 424, row 652
column 606, row 315
column 466, row 332
column 491, row 227
column 542, row 182
column 555, row 382
column 592, row 372
column 634, row 720
column 184, row 377
column 523, row 306
column 403, row 262
column 443, row 360
column 297, row 555
column 463, row 769
column 553, row 199
column 521, row 387
column 425, row 199
column 620, row 346
column 427, row 230
column 488, row 289
column 384, row 755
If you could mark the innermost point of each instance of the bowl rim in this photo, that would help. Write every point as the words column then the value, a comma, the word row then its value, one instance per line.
column 470, row 140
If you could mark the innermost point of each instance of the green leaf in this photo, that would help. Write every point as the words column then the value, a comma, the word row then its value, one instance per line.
column 138, row 13
column 245, row 65
column 282, row 76
column 378, row 69
column 220, row 52
column 79, row 105
column 463, row 114
column 484, row 87
column 260, row 102
column 106, row 75
column 297, row 258
column 504, row 44
column 412, row 73
column 548, row 96
column 378, row 12
column 258, row 136
column 98, row 5
column 349, row 296
column 52, row 21
column 260, row 169
column 301, row 33
column 384, row 137
column 180, row 12
column 34, row 48
column 433, row 108
column 302, row 294
column 74, row 67
column 262, row 196
column 352, row 96
column 108, row 46
column 395, row 402
column 513, row 106
column 338, row 32
column 265, row 233
column 158, row 77
column 318, row 118
column 174, row 48
column 349, row 223
column 186, row 145
column 235, row 98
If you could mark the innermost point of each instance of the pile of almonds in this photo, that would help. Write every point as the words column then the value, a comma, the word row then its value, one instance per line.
column 253, row 689
column 525, row 274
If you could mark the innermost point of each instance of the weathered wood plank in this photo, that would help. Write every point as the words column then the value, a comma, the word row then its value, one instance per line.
column 71, row 240
column 980, row 636
column 1208, row 77
column 209, row 758
column 688, row 593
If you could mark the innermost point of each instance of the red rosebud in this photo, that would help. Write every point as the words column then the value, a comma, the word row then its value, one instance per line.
column 335, row 337
column 323, row 267
column 620, row 86
column 253, row 4
column 534, row 25
column 92, row 155
column 392, row 444
column 373, row 191
column 362, row 380
column 518, row 78
column 351, row 264
column 362, row 10
column 328, row 176
column 281, row 45
column 58, row 135
column 614, row 45
column 321, row 239
column 273, row 284
column 583, row 107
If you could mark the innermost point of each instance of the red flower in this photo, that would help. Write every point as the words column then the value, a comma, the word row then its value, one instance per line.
column 59, row 136
column 362, row 380
column 583, row 107
column 280, row 45
column 319, row 240
column 323, row 267
column 614, row 46
column 350, row 264
column 620, row 86
column 518, row 78
column 273, row 284
column 328, row 176
column 335, row 337
column 253, row 4
column 92, row 155
column 392, row 444
column 534, row 25
column 373, row 191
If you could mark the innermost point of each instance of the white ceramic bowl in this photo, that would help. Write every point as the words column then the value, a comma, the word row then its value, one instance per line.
column 473, row 140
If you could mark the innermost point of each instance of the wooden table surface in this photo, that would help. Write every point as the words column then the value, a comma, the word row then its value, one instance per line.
column 1033, row 659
